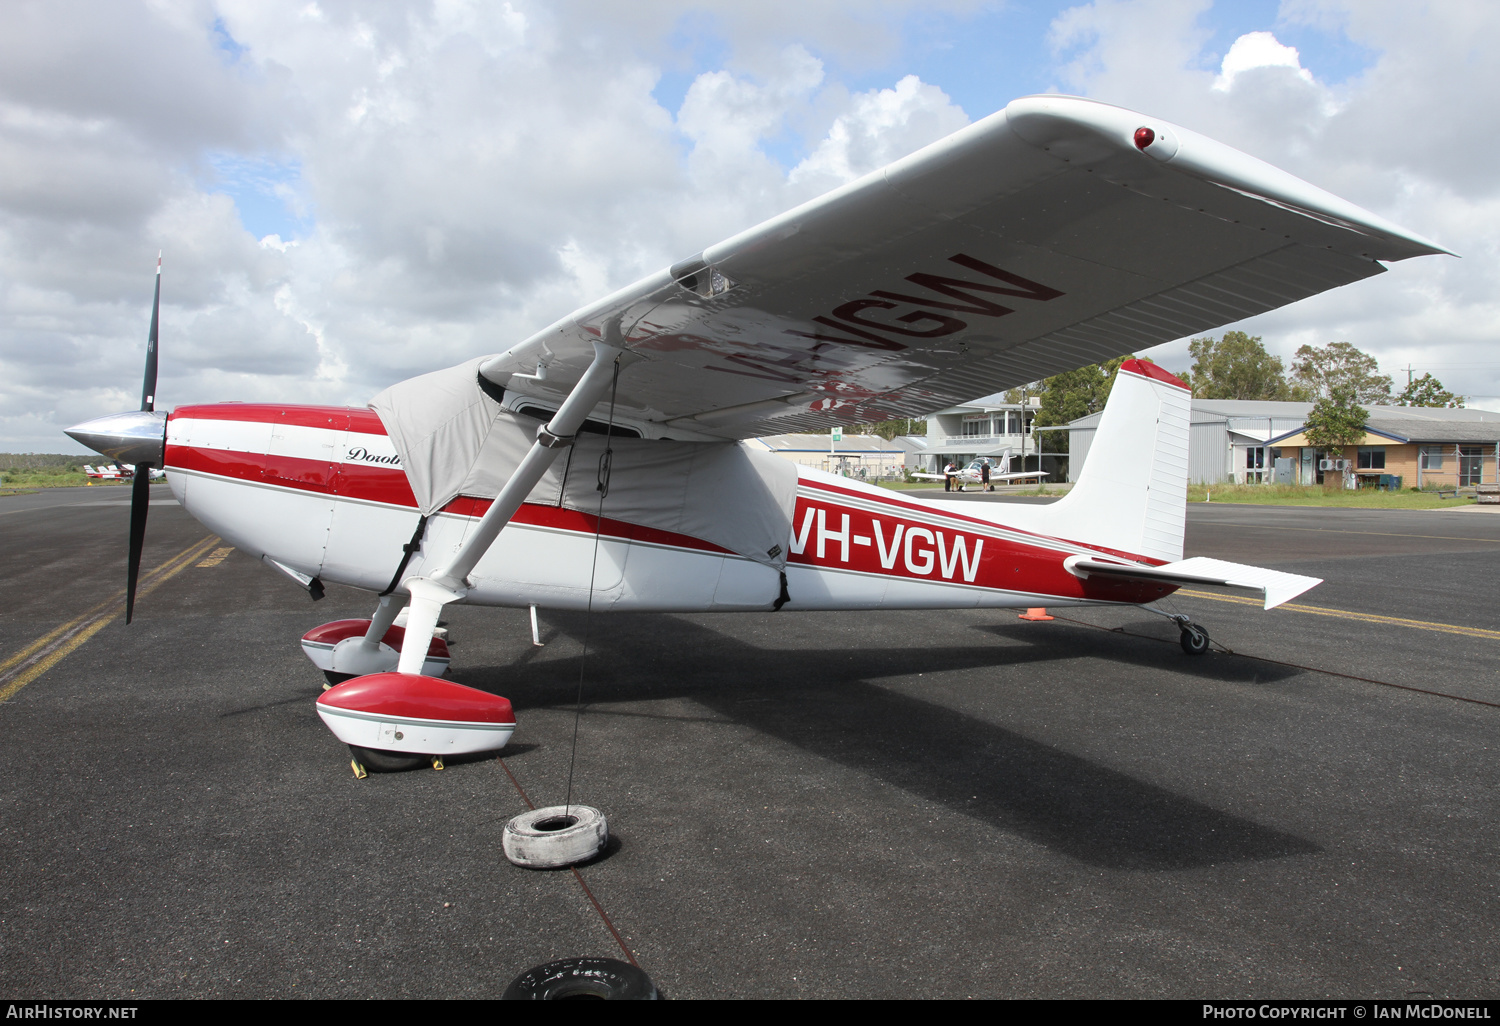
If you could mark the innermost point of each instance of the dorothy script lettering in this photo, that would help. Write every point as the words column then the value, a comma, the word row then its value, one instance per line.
column 359, row 454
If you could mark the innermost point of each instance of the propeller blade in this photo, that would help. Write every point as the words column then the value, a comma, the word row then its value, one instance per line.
column 140, row 505
column 148, row 388
column 140, row 488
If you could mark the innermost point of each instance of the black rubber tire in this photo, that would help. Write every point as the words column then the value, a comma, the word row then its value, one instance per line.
column 606, row 979
column 335, row 679
column 377, row 761
column 1194, row 640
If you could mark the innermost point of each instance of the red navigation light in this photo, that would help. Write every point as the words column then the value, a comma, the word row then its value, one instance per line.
column 1144, row 137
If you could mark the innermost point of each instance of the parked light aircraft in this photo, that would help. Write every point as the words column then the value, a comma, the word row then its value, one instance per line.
column 119, row 472
column 1055, row 233
column 973, row 473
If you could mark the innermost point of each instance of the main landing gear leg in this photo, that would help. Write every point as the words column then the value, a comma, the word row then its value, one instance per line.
column 385, row 614
column 357, row 656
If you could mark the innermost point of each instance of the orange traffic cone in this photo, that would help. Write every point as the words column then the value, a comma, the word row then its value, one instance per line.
column 1036, row 613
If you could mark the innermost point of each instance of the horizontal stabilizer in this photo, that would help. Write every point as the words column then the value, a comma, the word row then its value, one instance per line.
column 1276, row 587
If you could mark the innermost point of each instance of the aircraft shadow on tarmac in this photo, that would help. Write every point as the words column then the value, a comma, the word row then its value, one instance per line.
column 823, row 703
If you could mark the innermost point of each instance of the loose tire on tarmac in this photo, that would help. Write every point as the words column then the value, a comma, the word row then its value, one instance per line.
column 1194, row 640
column 607, row 979
column 555, row 837
column 388, row 762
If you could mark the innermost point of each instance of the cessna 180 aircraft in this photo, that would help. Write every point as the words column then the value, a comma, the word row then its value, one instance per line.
column 973, row 472
column 1056, row 233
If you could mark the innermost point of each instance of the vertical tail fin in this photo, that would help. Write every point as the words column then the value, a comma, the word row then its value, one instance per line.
column 1131, row 495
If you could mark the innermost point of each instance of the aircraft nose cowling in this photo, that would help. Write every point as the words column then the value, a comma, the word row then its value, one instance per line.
column 136, row 437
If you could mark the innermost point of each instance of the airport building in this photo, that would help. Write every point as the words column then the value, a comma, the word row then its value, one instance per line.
column 985, row 427
column 1246, row 441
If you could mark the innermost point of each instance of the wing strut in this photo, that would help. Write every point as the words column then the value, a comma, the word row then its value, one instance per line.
column 430, row 594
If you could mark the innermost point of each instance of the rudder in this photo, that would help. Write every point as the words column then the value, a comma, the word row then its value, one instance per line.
column 1131, row 495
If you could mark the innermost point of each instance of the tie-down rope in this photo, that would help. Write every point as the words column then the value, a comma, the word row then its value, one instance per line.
column 606, row 463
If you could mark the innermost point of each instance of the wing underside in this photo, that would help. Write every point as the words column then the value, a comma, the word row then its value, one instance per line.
column 1038, row 240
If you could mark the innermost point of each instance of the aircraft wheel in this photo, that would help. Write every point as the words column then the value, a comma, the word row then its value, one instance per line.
column 607, row 978
column 555, row 837
column 1194, row 640
column 387, row 762
column 335, row 679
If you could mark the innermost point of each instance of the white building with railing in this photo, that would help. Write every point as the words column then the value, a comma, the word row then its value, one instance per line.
column 984, row 427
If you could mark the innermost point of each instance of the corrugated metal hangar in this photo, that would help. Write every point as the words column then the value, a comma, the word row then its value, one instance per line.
column 1240, row 441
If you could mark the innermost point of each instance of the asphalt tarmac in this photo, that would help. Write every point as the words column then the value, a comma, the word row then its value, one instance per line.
column 914, row 804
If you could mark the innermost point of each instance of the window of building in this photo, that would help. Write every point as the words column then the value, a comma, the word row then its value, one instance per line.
column 1013, row 422
column 976, row 426
column 1371, row 457
column 1432, row 457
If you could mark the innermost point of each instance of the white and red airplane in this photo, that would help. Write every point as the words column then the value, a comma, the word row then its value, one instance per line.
column 119, row 472
column 1055, row 233
column 973, row 472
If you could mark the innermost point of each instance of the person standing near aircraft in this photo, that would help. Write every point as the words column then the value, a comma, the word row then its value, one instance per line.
column 984, row 477
column 948, row 473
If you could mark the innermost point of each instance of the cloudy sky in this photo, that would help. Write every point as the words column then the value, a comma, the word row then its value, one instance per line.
column 351, row 193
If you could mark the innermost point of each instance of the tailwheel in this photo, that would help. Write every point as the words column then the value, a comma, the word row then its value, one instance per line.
column 1194, row 639
column 386, row 762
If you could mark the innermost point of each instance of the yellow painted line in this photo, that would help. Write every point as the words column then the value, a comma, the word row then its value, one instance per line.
column 217, row 556
column 53, row 658
column 1345, row 614
column 47, row 651
column 48, row 638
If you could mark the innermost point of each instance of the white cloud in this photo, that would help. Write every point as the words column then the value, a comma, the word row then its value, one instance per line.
column 881, row 125
column 1258, row 50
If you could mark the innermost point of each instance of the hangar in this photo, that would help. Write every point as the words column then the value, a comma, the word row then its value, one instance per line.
column 1239, row 441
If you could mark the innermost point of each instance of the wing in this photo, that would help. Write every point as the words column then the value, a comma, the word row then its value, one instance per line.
column 1055, row 233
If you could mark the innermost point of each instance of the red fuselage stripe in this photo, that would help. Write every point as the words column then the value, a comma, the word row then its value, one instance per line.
column 901, row 541
column 334, row 418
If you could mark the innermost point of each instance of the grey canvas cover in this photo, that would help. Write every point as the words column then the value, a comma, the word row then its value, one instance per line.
column 454, row 440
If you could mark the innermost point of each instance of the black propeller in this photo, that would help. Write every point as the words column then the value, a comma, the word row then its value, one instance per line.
column 140, row 488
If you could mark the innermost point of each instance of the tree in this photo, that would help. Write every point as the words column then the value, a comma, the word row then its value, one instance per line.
column 1337, row 421
column 1073, row 394
column 1318, row 370
column 1236, row 367
column 1428, row 391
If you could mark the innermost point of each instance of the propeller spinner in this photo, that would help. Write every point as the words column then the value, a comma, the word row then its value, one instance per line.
column 138, row 437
